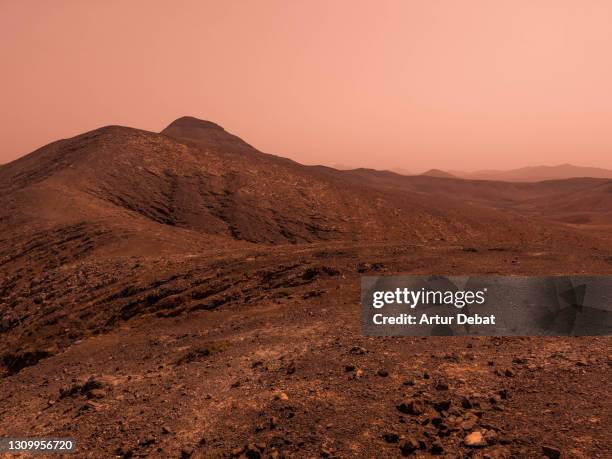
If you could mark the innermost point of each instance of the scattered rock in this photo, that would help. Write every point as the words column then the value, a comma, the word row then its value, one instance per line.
column 442, row 405
column 252, row 451
column 147, row 441
column 273, row 422
column 475, row 440
column 96, row 393
column 550, row 452
column 82, row 389
column 124, row 453
column 391, row 437
column 440, row 385
column 357, row 350
column 365, row 267
column 412, row 407
column 408, row 446
column 468, row 424
column 436, row 447
column 491, row 437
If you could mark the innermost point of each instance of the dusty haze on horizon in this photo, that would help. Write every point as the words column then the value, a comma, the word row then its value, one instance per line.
column 393, row 84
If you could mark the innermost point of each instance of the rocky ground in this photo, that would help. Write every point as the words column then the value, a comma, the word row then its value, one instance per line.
column 259, row 354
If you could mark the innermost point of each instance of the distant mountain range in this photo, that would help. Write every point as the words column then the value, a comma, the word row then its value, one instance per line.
column 537, row 173
column 523, row 174
column 439, row 173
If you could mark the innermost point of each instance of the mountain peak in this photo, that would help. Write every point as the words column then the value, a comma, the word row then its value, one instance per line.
column 190, row 122
column 205, row 134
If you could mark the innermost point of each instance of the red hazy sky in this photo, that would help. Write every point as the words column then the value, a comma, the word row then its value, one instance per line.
column 389, row 84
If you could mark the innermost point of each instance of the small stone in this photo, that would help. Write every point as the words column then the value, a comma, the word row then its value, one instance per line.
column 437, row 448
column 89, row 405
column 508, row 373
column 391, row 437
column 165, row 430
column 126, row 454
column 468, row 424
column 491, row 437
column 408, row 446
column 260, row 426
column 358, row 350
column 441, row 385
column 186, row 453
column 475, row 440
column 349, row 367
column 281, row 396
column 96, row 393
column 147, row 441
column 273, row 422
column 382, row 373
column 410, row 407
column 550, row 452
column 442, row 405
column 252, row 452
